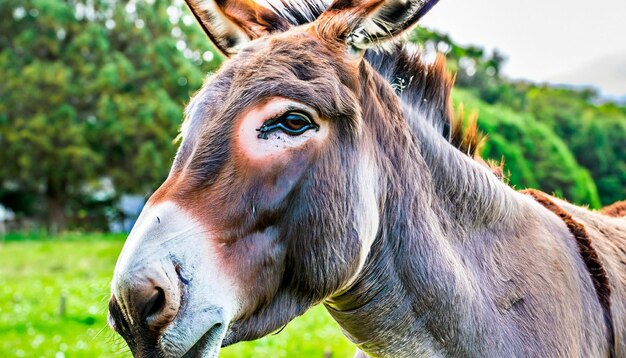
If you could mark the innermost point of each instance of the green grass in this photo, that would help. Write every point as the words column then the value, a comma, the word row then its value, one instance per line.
column 35, row 275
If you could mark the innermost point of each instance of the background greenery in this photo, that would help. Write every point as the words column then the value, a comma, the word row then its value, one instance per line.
column 36, row 275
column 91, row 97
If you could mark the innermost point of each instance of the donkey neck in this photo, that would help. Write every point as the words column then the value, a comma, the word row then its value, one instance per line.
column 469, row 191
column 415, row 296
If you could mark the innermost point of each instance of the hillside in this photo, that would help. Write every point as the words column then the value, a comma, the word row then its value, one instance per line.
column 566, row 141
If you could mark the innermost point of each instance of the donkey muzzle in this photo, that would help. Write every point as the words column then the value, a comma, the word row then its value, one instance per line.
column 169, row 297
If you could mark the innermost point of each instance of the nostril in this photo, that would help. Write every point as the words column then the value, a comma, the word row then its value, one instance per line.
column 154, row 304
column 146, row 299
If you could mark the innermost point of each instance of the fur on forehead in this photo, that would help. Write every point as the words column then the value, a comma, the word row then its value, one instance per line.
column 423, row 88
column 296, row 66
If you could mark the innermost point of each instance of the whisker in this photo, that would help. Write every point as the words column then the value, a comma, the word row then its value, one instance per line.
column 98, row 333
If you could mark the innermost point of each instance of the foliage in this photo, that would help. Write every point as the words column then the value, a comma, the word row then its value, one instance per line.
column 34, row 275
column 596, row 134
column 92, row 90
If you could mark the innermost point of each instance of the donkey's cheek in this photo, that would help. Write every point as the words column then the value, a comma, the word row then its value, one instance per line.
column 279, row 178
column 256, row 262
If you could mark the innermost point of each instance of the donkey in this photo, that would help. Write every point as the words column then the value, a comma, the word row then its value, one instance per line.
column 317, row 167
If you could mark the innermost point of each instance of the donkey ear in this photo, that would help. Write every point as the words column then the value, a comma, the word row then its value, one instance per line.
column 232, row 23
column 368, row 23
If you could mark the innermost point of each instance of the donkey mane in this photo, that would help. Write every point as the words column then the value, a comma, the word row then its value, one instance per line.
column 423, row 88
column 617, row 209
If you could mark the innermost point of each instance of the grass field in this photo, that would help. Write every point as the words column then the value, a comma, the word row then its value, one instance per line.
column 37, row 276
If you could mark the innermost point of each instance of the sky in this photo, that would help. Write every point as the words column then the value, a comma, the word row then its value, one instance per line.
column 577, row 42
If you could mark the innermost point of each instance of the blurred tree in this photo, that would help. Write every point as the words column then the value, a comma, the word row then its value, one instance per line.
column 596, row 134
column 92, row 90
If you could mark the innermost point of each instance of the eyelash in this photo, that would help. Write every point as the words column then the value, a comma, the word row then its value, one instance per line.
column 281, row 123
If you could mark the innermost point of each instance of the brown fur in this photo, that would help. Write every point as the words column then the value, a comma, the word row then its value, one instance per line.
column 617, row 209
column 467, row 137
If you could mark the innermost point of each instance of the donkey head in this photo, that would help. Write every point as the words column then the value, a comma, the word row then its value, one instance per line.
column 272, row 201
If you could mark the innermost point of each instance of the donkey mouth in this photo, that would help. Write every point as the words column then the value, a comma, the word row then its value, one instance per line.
column 208, row 346
column 189, row 337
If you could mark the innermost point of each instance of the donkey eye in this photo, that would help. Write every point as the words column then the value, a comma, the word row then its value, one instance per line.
column 293, row 123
